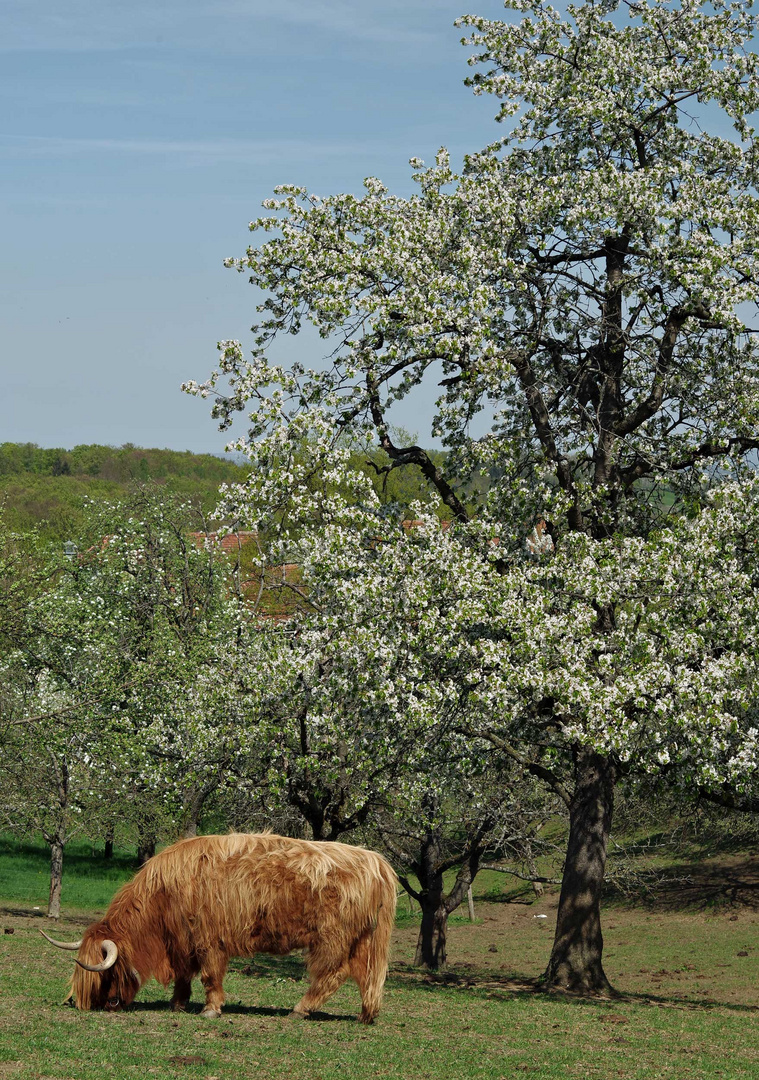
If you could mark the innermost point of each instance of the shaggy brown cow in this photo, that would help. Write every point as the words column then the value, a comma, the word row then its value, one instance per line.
column 203, row 900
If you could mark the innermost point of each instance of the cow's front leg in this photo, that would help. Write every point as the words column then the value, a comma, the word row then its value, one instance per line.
column 212, row 972
column 181, row 995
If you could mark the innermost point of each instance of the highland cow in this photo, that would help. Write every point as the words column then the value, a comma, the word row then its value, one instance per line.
column 206, row 899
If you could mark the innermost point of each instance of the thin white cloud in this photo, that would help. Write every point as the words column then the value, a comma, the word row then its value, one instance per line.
column 190, row 151
column 392, row 21
column 234, row 25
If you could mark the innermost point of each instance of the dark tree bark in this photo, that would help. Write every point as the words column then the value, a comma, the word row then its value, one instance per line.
column 312, row 811
column 431, row 945
column 731, row 799
column 110, row 834
column 328, row 809
column 576, row 958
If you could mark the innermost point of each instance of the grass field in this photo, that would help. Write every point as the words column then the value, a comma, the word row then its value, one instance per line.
column 687, row 972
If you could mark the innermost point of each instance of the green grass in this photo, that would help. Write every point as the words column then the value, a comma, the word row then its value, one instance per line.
column 89, row 880
column 478, row 1026
column 688, row 1006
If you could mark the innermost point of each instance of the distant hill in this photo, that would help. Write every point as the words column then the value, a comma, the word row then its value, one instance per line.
column 46, row 487
column 119, row 463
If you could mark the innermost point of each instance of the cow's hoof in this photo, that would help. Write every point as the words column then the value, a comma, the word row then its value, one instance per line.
column 211, row 1014
column 297, row 1015
column 366, row 1018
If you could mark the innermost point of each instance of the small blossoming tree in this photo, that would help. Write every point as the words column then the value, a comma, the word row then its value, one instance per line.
column 168, row 614
column 58, row 768
column 115, row 703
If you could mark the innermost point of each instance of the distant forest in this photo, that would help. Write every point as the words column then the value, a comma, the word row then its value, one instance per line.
column 46, row 488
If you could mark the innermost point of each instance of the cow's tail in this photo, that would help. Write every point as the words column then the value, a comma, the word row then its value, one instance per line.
column 378, row 945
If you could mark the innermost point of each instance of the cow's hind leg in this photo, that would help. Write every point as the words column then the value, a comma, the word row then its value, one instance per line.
column 370, row 982
column 182, row 992
column 327, row 974
column 212, row 971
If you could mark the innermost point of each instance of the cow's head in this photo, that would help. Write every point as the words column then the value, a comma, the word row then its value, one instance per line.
column 103, row 978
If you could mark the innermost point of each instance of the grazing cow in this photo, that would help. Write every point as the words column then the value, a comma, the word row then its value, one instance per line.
column 201, row 901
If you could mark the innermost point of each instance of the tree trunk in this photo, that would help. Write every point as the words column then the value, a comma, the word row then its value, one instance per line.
column 193, row 808
column 56, row 879
column 145, row 850
column 435, row 905
column 57, row 838
column 430, row 946
column 146, row 841
column 576, row 959
column 537, row 886
column 431, row 943
column 110, row 834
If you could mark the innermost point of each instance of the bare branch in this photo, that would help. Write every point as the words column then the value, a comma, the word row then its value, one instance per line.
column 532, row 767
column 522, row 877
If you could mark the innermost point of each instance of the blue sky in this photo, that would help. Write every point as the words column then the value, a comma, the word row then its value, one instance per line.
column 139, row 138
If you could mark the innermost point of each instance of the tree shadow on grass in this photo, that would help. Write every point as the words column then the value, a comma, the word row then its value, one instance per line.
column 699, row 1004
column 696, row 885
column 518, row 894
column 81, row 858
column 508, row 987
column 265, row 966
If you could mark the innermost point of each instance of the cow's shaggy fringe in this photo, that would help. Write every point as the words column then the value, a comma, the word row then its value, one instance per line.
column 206, row 899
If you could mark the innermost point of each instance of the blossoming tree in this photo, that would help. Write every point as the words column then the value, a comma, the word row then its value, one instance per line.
column 352, row 715
column 585, row 279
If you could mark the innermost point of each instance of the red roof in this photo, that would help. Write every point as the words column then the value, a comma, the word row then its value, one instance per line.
column 228, row 542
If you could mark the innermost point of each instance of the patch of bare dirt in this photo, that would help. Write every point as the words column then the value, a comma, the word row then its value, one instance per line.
column 692, row 944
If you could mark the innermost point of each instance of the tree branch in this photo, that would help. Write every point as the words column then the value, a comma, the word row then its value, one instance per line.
column 413, row 455
column 728, row 798
column 522, row 877
column 411, row 891
column 533, row 767
column 711, row 449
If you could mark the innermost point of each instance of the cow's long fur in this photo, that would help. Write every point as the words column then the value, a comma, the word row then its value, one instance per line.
column 206, row 899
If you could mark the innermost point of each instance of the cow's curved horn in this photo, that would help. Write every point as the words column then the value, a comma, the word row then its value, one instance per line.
column 111, row 950
column 72, row 947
